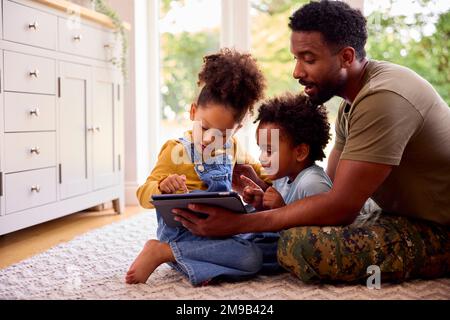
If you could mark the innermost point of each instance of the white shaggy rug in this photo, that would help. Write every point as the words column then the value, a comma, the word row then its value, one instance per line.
column 93, row 266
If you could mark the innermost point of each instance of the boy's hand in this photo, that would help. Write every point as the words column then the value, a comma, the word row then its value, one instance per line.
column 173, row 183
column 252, row 193
column 272, row 199
column 248, row 171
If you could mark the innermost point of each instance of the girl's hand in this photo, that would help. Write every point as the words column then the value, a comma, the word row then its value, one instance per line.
column 272, row 199
column 252, row 193
column 173, row 183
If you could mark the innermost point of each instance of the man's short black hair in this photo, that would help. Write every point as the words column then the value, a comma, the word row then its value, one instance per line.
column 300, row 120
column 339, row 24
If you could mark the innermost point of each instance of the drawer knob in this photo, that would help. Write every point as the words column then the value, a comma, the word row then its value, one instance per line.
column 35, row 150
column 98, row 129
column 90, row 129
column 35, row 112
column 34, row 73
column 33, row 26
column 36, row 188
column 78, row 38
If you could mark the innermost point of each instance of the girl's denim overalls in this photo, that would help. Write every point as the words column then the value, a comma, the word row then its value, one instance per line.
column 202, row 258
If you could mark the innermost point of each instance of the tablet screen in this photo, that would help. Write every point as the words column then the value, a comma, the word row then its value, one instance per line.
column 165, row 203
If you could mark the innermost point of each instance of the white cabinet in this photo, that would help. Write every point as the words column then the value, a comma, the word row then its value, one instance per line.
column 61, row 116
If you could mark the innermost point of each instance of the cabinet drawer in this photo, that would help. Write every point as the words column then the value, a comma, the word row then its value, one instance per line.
column 83, row 40
column 29, row 26
column 27, row 151
column 25, row 73
column 29, row 112
column 29, row 189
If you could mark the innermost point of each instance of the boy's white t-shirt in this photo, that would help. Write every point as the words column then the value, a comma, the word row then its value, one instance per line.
column 310, row 181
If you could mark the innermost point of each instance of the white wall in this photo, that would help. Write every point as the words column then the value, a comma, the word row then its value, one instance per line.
column 125, row 10
column 141, row 91
column 235, row 29
column 358, row 4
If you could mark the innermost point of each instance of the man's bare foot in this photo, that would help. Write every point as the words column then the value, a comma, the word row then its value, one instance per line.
column 152, row 255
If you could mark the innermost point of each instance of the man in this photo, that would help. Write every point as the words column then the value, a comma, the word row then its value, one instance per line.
column 392, row 145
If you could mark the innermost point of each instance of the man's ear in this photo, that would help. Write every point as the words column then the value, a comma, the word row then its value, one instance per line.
column 193, row 111
column 347, row 55
column 302, row 152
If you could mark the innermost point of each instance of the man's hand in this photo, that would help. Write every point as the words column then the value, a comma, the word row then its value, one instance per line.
column 248, row 171
column 354, row 182
column 272, row 199
column 219, row 223
column 252, row 194
column 173, row 183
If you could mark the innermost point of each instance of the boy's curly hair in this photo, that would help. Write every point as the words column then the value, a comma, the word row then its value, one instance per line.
column 339, row 24
column 300, row 120
column 233, row 79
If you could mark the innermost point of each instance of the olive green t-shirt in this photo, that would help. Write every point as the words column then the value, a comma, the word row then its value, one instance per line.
column 399, row 119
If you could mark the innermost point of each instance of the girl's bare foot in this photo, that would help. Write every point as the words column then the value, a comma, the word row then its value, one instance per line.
column 152, row 255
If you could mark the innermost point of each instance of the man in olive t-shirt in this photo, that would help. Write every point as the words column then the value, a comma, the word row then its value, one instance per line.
column 393, row 145
column 398, row 119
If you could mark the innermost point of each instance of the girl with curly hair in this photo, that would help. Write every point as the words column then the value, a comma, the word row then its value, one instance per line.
column 230, row 83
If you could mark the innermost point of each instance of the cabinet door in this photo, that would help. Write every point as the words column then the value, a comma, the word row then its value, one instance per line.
column 1, row 24
column 104, row 114
column 2, row 155
column 75, row 128
column 119, row 124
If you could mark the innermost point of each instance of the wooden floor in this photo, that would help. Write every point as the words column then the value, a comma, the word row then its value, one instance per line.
column 19, row 245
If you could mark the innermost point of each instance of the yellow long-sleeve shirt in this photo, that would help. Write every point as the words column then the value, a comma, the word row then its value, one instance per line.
column 173, row 159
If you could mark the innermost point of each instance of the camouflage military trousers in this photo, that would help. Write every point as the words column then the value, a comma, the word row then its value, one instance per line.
column 402, row 248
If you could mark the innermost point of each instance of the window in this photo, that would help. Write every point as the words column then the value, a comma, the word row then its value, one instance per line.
column 189, row 29
column 414, row 34
column 270, row 45
column 411, row 35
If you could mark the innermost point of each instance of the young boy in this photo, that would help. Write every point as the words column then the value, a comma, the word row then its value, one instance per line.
column 292, row 134
column 303, row 131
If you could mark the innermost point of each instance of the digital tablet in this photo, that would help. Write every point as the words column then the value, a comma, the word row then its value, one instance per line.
column 164, row 203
